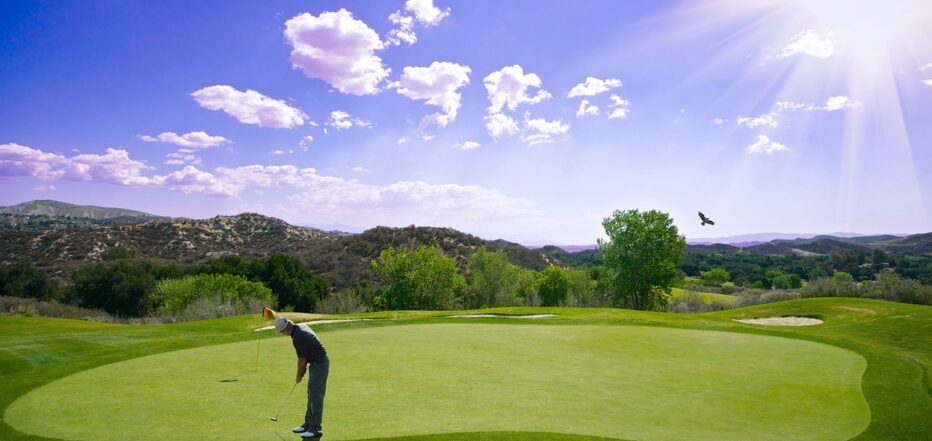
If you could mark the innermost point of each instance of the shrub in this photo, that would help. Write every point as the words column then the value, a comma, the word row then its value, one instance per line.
column 23, row 279
column 756, row 297
column 295, row 286
column 346, row 301
column 554, row 285
column 226, row 292
column 422, row 279
column 33, row 307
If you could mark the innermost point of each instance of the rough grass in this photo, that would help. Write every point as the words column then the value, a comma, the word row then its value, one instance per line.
column 895, row 339
column 707, row 297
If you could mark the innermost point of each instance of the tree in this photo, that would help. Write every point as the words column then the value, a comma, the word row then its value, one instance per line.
column 295, row 286
column 174, row 296
column 715, row 277
column 492, row 280
column 554, row 284
column 422, row 279
column 643, row 252
column 121, row 288
column 23, row 279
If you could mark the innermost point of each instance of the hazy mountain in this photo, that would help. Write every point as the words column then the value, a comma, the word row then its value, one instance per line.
column 64, row 209
column 745, row 240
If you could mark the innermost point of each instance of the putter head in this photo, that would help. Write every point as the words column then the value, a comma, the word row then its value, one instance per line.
column 228, row 380
column 274, row 419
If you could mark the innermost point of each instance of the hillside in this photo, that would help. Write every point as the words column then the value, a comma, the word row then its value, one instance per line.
column 343, row 259
column 63, row 209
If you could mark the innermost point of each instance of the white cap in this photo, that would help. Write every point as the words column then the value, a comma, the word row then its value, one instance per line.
column 281, row 324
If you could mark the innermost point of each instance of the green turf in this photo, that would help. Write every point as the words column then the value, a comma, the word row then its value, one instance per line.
column 706, row 297
column 664, row 384
column 895, row 339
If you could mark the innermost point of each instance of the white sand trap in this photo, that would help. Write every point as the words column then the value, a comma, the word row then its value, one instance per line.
column 782, row 321
column 533, row 316
column 316, row 322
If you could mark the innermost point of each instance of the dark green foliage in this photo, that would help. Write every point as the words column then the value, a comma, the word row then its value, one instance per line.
column 422, row 279
column 643, row 252
column 554, row 285
column 292, row 283
column 121, row 288
column 23, row 279
column 119, row 253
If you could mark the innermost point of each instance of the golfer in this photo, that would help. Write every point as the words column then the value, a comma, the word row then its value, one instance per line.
column 310, row 352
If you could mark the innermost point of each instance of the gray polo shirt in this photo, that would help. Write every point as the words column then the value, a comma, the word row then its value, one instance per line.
column 306, row 344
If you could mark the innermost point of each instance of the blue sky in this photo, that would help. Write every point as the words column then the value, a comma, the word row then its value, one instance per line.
column 529, row 124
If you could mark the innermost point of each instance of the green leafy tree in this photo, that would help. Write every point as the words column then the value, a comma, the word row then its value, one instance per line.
column 816, row 273
column 173, row 296
column 642, row 252
column 554, row 285
column 796, row 282
column 295, row 286
column 492, row 280
column 122, row 288
column 781, row 282
column 843, row 277
column 715, row 277
column 424, row 279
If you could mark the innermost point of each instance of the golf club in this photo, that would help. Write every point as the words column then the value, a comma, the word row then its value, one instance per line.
column 275, row 418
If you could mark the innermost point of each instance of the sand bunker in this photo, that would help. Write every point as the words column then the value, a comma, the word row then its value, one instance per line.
column 782, row 321
column 315, row 322
column 534, row 316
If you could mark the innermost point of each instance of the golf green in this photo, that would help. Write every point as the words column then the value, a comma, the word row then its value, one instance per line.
column 628, row 382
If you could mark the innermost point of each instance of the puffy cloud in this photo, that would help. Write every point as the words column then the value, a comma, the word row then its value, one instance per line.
column 620, row 107
column 194, row 140
column 305, row 142
column 594, row 86
column 114, row 167
column 789, row 105
column 360, row 169
column 249, row 107
column 338, row 49
column 810, row 42
column 927, row 82
column 468, row 145
column 540, row 130
column 765, row 145
column 924, row 68
column 833, row 103
column 341, row 120
column 499, row 125
column 44, row 187
column 719, row 121
column 437, row 85
column 402, row 140
column 586, row 109
column 19, row 160
column 191, row 180
column 420, row 11
column 763, row 120
column 509, row 86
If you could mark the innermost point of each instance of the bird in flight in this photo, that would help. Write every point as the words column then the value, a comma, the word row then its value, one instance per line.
column 705, row 220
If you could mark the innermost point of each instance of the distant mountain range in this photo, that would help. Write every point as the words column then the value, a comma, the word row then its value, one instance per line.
column 60, row 236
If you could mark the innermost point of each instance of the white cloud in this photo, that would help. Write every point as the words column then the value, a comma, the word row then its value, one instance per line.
column 499, row 125
column 305, row 142
column 402, row 140
column 719, row 121
column 195, row 140
column 509, row 86
column 360, row 169
column 278, row 152
column 839, row 103
column 540, row 130
column 427, row 137
column 250, row 107
column 620, row 107
column 586, row 109
column 810, row 42
column 927, row 82
column 19, row 160
column 341, row 120
column 789, row 105
column 44, row 187
column 594, row 86
column 437, row 84
column 114, row 167
column 421, row 11
column 468, row 145
column 923, row 68
column 338, row 49
column 763, row 120
column 765, row 145
column 182, row 157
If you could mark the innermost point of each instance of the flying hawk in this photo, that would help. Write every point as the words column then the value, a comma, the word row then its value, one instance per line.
column 705, row 220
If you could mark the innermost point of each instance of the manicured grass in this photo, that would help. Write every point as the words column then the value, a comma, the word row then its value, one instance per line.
column 893, row 338
column 707, row 297
column 663, row 383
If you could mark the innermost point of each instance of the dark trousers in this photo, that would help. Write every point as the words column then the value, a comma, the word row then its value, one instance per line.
column 316, row 388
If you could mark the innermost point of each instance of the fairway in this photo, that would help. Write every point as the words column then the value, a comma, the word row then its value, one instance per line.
column 627, row 382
